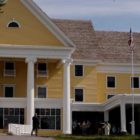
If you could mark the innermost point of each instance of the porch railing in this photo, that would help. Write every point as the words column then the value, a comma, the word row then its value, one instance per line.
column 18, row 129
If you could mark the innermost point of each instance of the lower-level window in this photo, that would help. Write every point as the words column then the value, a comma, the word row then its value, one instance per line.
column 11, row 115
column 49, row 118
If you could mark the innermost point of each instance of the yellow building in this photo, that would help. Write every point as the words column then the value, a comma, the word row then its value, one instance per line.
column 65, row 71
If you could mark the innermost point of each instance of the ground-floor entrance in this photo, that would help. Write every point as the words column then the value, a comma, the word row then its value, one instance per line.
column 95, row 120
column 114, row 118
column 86, row 122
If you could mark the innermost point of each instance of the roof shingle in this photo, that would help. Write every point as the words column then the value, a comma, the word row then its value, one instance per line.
column 107, row 46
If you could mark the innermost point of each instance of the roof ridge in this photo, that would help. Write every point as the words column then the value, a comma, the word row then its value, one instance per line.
column 103, row 31
column 74, row 20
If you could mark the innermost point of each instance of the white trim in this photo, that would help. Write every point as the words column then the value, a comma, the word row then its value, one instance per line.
column 111, row 68
column 76, row 106
column 12, row 102
column 23, row 51
column 107, row 82
column 86, row 62
column 117, row 64
column 48, row 103
column 43, row 18
column 42, row 86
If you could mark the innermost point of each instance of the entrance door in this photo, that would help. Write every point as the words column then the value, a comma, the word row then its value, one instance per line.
column 93, row 118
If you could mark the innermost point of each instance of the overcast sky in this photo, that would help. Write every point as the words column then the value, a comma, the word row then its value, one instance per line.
column 115, row 15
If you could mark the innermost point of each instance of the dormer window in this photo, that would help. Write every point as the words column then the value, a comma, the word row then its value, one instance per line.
column 13, row 24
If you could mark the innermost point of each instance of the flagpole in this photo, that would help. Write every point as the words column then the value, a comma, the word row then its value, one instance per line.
column 133, row 104
column 131, row 45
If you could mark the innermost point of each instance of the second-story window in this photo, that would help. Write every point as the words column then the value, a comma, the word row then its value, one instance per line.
column 135, row 83
column 111, row 82
column 41, row 69
column 9, row 69
column 78, row 70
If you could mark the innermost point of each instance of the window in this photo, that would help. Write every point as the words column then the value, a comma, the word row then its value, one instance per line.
column 9, row 90
column 42, row 69
column 111, row 82
column 11, row 115
column 41, row 92
column 9, row 69
column 49, row 118
column 13, row 24
column 79, row 95
column 135, row 83
column 78, row 70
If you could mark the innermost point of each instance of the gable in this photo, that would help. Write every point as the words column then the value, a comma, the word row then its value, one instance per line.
column 31, row 31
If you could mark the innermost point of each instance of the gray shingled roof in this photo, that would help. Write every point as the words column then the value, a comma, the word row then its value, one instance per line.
column 114, row 46
column 107, row 46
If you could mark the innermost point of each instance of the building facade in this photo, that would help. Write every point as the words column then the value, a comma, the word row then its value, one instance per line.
column 65, row 71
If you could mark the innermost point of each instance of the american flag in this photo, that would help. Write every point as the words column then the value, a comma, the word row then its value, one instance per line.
column 130, row 41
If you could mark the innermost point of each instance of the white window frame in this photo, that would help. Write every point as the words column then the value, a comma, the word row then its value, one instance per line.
column 9, row 72
column 75, row 69
column 107, row 82
column 9, row 85
column 83, row 94
column 45, row 72
column 41, row 86
column 131, row 81
column 13, row 20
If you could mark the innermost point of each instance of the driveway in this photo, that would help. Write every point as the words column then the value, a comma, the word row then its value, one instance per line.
column 25, row 138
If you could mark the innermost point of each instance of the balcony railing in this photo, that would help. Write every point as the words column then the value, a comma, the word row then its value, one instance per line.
column 42, row 73
column 18, row 129
column 9, row 72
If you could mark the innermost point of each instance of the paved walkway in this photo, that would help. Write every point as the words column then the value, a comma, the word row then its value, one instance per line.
column 25, row 138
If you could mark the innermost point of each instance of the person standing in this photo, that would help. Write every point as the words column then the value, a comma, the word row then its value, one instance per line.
column 107, row 128
column 35, row 125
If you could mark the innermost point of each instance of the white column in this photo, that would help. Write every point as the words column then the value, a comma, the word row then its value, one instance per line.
column 106, row 116
column 66, row 99
column 123, row 117
column 30, row 89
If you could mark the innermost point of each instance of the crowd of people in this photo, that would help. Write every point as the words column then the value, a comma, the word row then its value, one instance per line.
column 86, row 127
column 81, row 128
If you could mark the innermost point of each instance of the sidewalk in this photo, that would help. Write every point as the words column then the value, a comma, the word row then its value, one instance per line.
column 25, row 138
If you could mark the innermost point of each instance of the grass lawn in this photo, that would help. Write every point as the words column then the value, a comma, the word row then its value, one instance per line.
column 70, row 137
